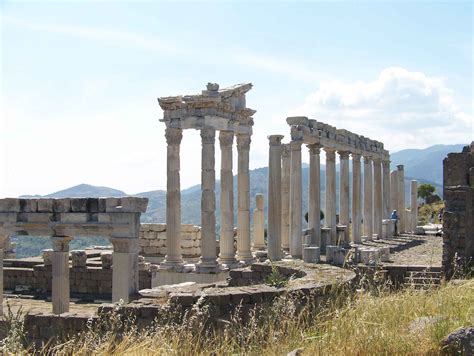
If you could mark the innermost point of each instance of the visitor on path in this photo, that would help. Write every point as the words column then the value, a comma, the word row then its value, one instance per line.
column 440, row 216
column 394, row 216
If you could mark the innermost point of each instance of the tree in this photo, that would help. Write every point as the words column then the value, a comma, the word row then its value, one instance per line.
column 425, row 191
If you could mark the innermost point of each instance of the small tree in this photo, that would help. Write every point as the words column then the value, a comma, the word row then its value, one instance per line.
column 425, row 191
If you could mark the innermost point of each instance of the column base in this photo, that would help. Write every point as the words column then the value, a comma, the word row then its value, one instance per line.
column 210, row 263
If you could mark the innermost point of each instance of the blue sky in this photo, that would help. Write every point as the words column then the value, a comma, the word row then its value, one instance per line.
column 79, row 80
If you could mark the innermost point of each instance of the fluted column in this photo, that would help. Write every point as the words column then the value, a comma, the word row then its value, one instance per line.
column 393, row 190
column 173, row 199
column 378, row 204
column 296, row 244
column 208, row 200
column 401, row 198
column 243, row 214
column 60, row 273
column 386, row 189
column 330, row 213
column 314, row 189
column 356, row 198
column 285, row 196
column 414, row 204
column 368, row 198
column 344, row 188
column 274, row 198
column 226, row 242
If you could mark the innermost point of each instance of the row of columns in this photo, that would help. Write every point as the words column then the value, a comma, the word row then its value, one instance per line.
column 208, row 200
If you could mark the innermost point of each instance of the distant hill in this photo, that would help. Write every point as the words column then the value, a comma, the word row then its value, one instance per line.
column 82, row 190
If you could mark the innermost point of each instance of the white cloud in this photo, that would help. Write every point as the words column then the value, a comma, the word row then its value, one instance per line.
column 400, row 108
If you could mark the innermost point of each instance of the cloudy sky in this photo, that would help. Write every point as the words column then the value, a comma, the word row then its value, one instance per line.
column 79, row 80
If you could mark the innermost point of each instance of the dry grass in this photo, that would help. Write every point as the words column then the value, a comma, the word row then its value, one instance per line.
column 375, row 322
column 424, row 212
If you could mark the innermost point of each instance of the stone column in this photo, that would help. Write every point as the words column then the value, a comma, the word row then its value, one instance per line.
column 285, row 196
column 330, row 213
column 243, row 215
column 60, row 284
column 378, row 203
column 296, row 204
column 393, row 191
column 414, row 204
column 226, row 242
column 124, row 268
column 344, row 188
column 401, row 198
column 173, row 199
column 368, row 190
column 386, row 189
column 274, row 198
column 208, row 200
column 259, row 223
column 356, row 199
column 314, row 189
column 3, row 241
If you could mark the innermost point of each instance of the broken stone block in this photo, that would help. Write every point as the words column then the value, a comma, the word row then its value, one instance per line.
column 106, row 259
column 47, row 257
column 79, row 258
column 311, row 254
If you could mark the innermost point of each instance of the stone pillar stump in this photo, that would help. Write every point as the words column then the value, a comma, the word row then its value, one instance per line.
column 60, row 273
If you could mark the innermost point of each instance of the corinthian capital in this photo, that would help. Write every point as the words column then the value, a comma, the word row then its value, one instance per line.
column 173, row 136
column 208, row 136
column 226, row 138
column 243, row 142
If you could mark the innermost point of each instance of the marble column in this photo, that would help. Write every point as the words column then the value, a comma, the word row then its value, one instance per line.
column 285, row 196
column 274, row 198
column 173, row 199
column 226, row 242
column 208, row 200
column 330, row 213
column 401, row 199
column 259, row 223
column 344, row 188
column 243, row 215
column 3, row 241
column 378, row 203
column 125, row 267
column 368, row 198
column 414, row 204
column 296, row 203
column 393, row 190
column 314, row 190
column 60, row 273
column 356, row 198
column 386, row 189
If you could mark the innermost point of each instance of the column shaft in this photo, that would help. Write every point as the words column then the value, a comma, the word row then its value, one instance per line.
column 368, row 198
column 414, row 205
column 243, row 215
column 259, row 223
column 60, row 273
column 274, row 198
column 173, row 198
column 285, row 196
column 1, row 279
column 296, row 248
column 314, row 199
column 208, row 200
column 356, row 199
column 330, row 213
column 344, row 189
column 226, row 242
column 378, row 203
column 386, row 189
column 401, row 199
column 124, row 268
column 393, row 190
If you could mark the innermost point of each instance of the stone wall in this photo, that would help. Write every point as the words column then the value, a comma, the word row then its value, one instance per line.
column 152, row 240
column 458, row 218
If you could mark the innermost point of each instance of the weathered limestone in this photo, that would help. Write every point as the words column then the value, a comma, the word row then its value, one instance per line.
column 243, row 215
column 208, row 200
column 2, row 242
column 106, row 258
column 330, row 213
column 60, row 284
column 285, row 196
column 386, row 189
column 125, row 268
column 47, row 256
column 173, row 199
column 414, row 205
column 344, row 188
column 401, row 199
column 79, row 259
column 314, row 189
column 274, row 198
column 356, row 199
column 368, row 198
column 259, row 223
column 311, row 254
column 295, row 200
column 393, row 190
column 226, row 242
column 378, row 203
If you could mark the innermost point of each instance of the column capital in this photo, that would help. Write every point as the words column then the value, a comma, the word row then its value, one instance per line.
column 377, row 160
column 330, row 153
column 208, row 135
column 243, row 141
column 295, row 145
column 275, row 140
column 285, row 150
column 122, row 244
column 356, row 156
column 61, row 243
column 314, row 148
column 386, row 162
column 343, row 154
column 173, row 135
column 226, row 138
column 367, row 159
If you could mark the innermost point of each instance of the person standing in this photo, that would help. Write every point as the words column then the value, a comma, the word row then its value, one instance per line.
column 394, row 217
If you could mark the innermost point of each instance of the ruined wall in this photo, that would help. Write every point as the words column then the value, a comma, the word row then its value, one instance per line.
column 458, row 218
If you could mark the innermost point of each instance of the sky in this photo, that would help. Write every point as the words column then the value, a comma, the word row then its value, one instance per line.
column 80, row 80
